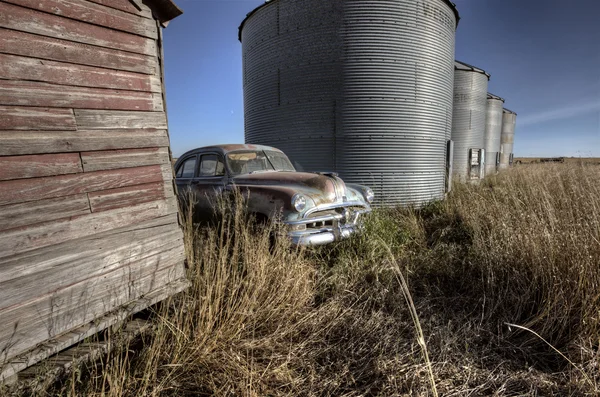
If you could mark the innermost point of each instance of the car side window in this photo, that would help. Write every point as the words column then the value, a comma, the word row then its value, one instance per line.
column 211, row 165
column 187, row 169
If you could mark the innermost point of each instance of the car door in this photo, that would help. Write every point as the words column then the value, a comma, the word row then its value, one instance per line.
column 184, row 175
column 209, row 182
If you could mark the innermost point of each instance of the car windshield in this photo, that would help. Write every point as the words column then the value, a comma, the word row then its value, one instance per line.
column 252, row 161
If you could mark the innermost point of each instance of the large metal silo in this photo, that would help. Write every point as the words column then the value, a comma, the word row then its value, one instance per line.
column 509, row 121
column 468, row 120
column 360, row 87
column 493, row 130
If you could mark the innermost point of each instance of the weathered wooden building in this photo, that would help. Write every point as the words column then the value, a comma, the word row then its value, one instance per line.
column 88, row 218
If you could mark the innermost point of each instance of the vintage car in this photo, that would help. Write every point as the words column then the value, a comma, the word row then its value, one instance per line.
column 317, row 208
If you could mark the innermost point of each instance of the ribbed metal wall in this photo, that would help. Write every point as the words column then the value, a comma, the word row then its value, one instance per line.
column 493, row 130
column 509, row 121
column 361, row 87
column 469, row 114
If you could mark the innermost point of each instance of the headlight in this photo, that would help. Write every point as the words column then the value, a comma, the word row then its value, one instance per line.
column 299, row 202
column 369, row 195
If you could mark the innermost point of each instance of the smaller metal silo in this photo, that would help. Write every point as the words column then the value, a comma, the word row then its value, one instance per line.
column 509, row 120
column 493, row 131
column 468, row 120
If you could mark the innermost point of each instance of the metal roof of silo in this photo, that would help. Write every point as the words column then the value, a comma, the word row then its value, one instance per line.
column 458, row 65
column 492, row 96
column 267, row 2
column 505, row 110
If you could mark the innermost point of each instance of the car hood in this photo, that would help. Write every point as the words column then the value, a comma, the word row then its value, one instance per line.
column 321, row 188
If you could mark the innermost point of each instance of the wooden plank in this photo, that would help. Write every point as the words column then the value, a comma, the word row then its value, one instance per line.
column 34, row 46
column 47, row 317
column 129, row 240
column 24, row 190
column 113, row 159
column 114, row 119
column 21, row 290
column 28, row 93
column 34, row 166
column 23, row 214
column 32, row 354
column 15, row 67
column 126, row 6
column 93, row 13
column 36, row 118
column 28, row 238
column 32, row 142
column 27, row 20
column 128, row 196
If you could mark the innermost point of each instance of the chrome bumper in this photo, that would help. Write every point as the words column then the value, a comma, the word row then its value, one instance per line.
column 340, row 229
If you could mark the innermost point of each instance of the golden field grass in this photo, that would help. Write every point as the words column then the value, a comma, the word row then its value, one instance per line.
column 495, row 291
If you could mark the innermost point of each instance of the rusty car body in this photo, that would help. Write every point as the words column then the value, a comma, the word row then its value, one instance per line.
column 317, row 208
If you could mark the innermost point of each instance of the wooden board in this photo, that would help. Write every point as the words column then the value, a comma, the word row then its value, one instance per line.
column 114, row 119
column 34, row 46
column 27, row 20
column 28, row 93
column 24, row 289
column 53, row 345
column 131, row 238
column 126, row 6
column 32, row 142
column 113, row 159
column 28, row 325
column 128, row 196
column 36, row 118
column 34, row 166
column 15, row 67
column 23, row 214
column 28, row 238
column 93, row 13
column 24, row 190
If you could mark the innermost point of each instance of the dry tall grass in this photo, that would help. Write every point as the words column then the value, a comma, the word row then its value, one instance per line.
column 520, row 248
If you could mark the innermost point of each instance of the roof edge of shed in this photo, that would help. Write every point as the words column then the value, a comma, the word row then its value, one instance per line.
column 267, row 2
column 163, row 10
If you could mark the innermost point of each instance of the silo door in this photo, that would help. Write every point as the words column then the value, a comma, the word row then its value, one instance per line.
column 476, row 163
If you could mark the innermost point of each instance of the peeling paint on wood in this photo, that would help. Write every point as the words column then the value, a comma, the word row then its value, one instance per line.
column 99, row 258
column 113, row 119
column 31, row 45
column 128, row 196
column 113, row 159
column 126, row 6
column 33, row 166
column 24, row 214
column 28, row 93
column 32, row 142
column 26, row 20
column 15, row 67
column 28, row 238
column 35, row 118
column 95, row 14
column 80, row 304
column 24, row 190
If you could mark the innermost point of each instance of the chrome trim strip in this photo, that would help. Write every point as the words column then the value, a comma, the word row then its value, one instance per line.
column 325, row 207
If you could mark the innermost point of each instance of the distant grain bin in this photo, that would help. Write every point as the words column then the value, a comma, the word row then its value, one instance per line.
column 493, row 130
column 361, row 88
column 509, row 120
column 468, row 120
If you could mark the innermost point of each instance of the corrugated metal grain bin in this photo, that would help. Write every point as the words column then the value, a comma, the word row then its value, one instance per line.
column 468, row 120
column 509, row 121
column 360, row 87
column 493, row 130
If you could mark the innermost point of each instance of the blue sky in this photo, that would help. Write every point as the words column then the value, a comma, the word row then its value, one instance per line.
column 543, row 55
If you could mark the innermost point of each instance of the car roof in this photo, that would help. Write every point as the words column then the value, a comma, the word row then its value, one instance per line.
column 226, row 148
